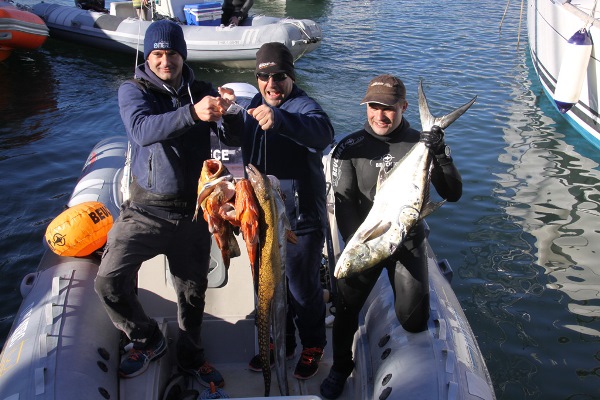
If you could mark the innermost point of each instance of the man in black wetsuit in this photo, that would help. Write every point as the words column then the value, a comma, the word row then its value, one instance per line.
column 235, row 11
column 384, row 140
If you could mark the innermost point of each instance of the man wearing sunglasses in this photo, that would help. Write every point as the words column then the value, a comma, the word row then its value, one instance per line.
column 285, row 133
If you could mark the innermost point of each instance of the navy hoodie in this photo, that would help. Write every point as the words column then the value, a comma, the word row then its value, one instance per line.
column 168, row 147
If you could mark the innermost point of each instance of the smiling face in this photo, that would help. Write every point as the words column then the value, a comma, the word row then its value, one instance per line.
column 385, row 119
column 167, row 65
column 273, row 90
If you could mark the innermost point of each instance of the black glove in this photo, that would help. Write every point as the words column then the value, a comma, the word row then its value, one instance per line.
column 434, row 140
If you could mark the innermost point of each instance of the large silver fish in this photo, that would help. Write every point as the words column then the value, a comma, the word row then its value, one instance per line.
column 400, row 202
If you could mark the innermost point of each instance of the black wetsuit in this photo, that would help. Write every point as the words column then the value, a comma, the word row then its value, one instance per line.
column 235, row 8
column 355, row 166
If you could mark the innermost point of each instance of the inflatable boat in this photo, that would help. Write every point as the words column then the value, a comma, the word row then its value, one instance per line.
column 19, row 29
column 62, row 344
column 119, row 29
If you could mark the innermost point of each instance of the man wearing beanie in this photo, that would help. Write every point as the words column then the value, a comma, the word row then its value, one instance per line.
column 355, row 164
column 285, row 133
column 168, row 116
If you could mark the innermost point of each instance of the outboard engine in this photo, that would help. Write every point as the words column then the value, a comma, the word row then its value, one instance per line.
column 94, row 5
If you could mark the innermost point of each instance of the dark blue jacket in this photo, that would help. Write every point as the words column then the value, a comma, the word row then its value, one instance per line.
column 293, row 152
column 168, row 146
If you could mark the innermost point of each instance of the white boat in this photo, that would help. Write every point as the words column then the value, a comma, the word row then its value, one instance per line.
column 551, row 24
column 121, row 30
column 62, row 344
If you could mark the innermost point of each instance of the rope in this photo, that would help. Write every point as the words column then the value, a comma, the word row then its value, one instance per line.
column 520, row 21
column 299, row 25
column 590, row 20
column 503, row 15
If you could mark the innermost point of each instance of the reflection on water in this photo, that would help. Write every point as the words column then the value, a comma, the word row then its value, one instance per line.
column 28, row 90
column 552, row 192
column 305, row 9
column 537, row 258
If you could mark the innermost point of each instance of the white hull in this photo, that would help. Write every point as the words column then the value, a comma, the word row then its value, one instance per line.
column 231, row 46
column 550, row 25
column 63, row 346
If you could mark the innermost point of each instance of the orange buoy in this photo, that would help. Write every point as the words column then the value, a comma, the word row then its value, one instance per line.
column 573, row 71
column 79, row 230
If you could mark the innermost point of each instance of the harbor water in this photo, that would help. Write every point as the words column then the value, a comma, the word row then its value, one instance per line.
column 523, row 240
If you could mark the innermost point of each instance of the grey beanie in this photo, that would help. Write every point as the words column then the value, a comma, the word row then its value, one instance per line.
column 163, row 35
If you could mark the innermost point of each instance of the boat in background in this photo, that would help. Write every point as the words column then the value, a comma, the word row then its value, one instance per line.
column 560, row 52
column 19, row 29
column 62, row 345
column 120, row 29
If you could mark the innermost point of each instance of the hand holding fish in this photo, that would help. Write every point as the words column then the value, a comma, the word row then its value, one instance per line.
column 434, row 139
column 227, row 93
column 402, row 197
column 210, row 109
column 264, row 115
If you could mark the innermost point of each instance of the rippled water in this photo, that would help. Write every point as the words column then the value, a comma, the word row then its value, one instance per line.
column 522, row 240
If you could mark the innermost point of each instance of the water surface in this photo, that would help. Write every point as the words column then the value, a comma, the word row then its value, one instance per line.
column 522, row 240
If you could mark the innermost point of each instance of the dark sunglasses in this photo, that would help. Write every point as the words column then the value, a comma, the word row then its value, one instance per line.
column 277, row 76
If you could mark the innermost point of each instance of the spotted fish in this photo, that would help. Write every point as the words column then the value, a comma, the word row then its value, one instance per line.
column 269, row 270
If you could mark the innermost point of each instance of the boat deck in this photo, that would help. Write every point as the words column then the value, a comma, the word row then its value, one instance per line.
column 229, row 336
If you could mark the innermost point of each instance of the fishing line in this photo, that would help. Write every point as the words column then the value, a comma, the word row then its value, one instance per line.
column 265, row 150
column 137, row 47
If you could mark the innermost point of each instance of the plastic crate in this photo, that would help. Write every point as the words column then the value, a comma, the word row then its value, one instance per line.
column 208, row 13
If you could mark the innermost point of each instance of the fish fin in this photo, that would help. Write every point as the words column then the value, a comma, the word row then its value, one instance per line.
column 430, row 208
column 376, row 231
column 428, row 120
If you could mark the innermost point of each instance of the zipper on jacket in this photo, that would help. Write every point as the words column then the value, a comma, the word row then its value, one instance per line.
column 296, row 202
column 150, row 171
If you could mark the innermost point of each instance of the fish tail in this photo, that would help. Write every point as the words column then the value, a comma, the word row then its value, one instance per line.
column 428, row 120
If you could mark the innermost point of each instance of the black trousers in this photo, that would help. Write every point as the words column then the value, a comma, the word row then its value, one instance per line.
column 138, row 236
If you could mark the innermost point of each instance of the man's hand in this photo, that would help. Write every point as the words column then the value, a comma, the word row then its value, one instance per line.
column 434, row 140
column 210, row 109
column 264, row 115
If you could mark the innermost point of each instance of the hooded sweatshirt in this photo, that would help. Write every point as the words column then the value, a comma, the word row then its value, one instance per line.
column 168, row 147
